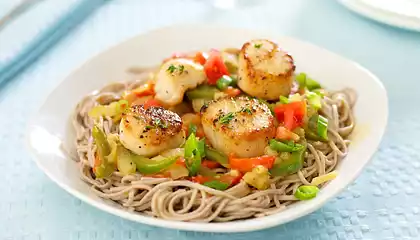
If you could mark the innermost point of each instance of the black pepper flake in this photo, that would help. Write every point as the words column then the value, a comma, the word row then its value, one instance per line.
column 141, row 136
column 139, row 146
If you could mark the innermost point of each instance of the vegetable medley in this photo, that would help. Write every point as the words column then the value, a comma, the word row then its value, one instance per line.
column 200, row 118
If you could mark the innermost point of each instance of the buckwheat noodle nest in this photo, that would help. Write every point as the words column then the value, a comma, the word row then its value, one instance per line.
column 183, row 200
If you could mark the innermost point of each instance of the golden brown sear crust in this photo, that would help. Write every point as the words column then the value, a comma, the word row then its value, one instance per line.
column 265, row 71
column 246, row 120
column 158, row 123
column 239, row 126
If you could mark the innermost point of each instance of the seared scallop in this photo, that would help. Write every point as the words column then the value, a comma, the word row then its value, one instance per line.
column 148, row 132
column 175, row 77
column 238, row 126
column 265, row 71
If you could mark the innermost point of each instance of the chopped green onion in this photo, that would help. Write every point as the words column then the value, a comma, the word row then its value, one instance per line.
column 305, row 82
column 320, row 92
column 295, row 98
column 202, row 91
column 113, row 110
column 192, row 154
column 284, row 100
column 306, row 192
column 288, row 163
column 224, row 82
column 312, row 84
column 283, row 147
column 216, row 185
column 322, row 127
column 314, row 100
column 201, row 145
column 317, row 128
column 301, row 80
column 103, row 149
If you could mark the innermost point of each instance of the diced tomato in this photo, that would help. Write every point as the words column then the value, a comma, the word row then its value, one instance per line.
column 247, row 164
column 200, row 58
column 200, row 179
column 144, row 90
column 283, row 133
column 214, row 67
column 152, row 103
column 210, row 164
column 232, row 180
column 291, row 114
column 232, row 92
column 180, row 161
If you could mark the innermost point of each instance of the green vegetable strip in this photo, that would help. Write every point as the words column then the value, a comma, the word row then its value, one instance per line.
column 301, row 80
column 224, row 82
column 322, row 127
column 192, row 154
column 317, row 128
column 314, row 100
column 105, row 169
column 203, row 92
column 219, row 157
column 306, row 192
column 283, row 147
column 216, row 185
column 148, row 166
column 306, row 82
column 202, row 147
column 290, row 165
column 312, row 84
column 284, row 100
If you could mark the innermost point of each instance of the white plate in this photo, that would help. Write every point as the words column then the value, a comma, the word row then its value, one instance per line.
column 399, row 13
column 51, row 127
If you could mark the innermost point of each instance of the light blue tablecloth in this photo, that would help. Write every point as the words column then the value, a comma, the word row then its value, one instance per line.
column 382, row 204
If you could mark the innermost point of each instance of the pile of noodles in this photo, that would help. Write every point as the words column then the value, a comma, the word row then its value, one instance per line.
column 183, row 200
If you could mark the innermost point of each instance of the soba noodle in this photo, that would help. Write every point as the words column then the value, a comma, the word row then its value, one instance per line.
column 183, row 200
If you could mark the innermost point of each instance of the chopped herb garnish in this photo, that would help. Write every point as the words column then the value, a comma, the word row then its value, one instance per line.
column 258, row 45
column 158, row 123
column 246, row 110
column 225, row 119
column 171, row 68
column 148, row 127
column 181, row 68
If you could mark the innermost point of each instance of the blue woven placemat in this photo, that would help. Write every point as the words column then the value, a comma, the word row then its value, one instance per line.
column 382, row 204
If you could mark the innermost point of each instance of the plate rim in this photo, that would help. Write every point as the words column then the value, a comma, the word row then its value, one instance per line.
column 239, row 226
column 382, row 16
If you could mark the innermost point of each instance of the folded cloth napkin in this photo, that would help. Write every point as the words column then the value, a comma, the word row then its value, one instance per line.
column 27, row 37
